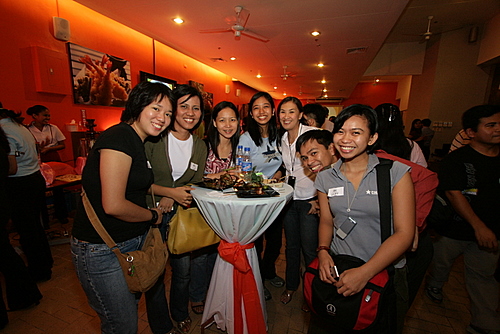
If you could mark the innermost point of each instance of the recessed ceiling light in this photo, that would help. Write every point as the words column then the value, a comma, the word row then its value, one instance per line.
column 324, row 90
column 259, row 76
column 284, row 94
column 233, row 58
column 377, row 80
column 178, row 20
column 321, row 65
column 315, row 33
column 275, row 87
column 323, row 81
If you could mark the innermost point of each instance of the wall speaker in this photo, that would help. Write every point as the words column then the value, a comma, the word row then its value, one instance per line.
column 61, row 28
column 227, row 89
column 238, row 92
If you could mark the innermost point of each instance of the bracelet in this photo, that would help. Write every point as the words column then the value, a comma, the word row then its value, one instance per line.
column 154, row 219
column 327, row 248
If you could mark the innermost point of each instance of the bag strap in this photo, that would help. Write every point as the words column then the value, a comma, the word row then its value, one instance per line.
column 97, row 223
column 384, row 196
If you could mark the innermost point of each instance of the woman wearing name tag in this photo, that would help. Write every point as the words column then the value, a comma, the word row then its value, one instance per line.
column 348, row 192
column 178, row 158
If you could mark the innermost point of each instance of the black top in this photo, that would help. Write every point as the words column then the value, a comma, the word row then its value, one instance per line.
column 123, row 138
column 478, row 177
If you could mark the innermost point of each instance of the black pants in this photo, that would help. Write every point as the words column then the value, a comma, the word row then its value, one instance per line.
column 273, row 237
column 26, row 196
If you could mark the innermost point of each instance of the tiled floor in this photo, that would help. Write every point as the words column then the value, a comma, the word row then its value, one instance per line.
column 64, row 308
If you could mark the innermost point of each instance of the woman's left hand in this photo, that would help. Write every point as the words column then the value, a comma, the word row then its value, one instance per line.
column 166, row 204
column 352, row 281
column 314, row 208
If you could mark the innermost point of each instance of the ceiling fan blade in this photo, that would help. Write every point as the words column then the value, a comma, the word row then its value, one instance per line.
column 254, row 35
column 212, row 31
column 244, row 15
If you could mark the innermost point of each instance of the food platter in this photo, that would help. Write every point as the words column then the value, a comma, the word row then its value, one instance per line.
column 265, row 191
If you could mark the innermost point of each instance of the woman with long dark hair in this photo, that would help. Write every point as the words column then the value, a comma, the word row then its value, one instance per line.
column 262, row 138
column 223, row 135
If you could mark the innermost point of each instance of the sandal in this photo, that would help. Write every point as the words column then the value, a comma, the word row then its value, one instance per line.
column 184, row 325
column 286, row 296
column 198, row 308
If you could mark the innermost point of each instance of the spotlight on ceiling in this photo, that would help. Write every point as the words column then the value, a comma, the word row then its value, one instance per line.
column 315, row 33
column 178, row 20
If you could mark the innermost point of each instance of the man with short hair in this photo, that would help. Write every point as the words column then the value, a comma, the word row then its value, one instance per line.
column 470, row 179
column 425, row 140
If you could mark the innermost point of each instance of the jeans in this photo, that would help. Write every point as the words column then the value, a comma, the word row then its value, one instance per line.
column 479, row 280
column 102, row 279
column 301, row 233
column 189, row 269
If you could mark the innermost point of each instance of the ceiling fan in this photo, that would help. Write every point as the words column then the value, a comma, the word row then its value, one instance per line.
column 238, row 26
column 286, row 74
column 428, row 34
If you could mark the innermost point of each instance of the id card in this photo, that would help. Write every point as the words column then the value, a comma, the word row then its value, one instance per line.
column 346, row 228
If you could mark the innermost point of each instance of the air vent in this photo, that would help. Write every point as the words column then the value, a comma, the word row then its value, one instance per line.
column 330, row 99
column 361, row 49
column 218, row 60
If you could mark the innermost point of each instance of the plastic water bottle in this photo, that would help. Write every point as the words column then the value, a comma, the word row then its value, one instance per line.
column 246, row 165
column 239, row 156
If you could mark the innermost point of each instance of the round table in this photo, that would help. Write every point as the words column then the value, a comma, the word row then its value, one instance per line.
column 235, row 299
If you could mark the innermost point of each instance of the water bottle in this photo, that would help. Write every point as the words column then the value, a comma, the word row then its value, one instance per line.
column 239, row 156
column 246, row 165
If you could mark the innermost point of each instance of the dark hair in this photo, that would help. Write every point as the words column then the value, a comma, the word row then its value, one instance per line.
column 426, row 122
column 179, row 92
column 323, row 137
column 358, row 110
column 36, row 109
column 16, row 117
column 295, row 101
column 142, row 95
column 315, row 111
column 472, row 117
column 253, row 127
column 213, row 135
column 391, row 137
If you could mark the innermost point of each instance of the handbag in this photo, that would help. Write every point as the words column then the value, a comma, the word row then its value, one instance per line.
column 141, row 268
column 189, row 231
column 441, row 213
column 361, row 310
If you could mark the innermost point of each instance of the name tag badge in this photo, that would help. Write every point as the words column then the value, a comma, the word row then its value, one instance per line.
column 194, row 166
column 337, row 191
column 149, row 165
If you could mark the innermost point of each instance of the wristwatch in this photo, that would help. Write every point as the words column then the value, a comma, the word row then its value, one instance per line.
column 327, row 248
column 155, row 216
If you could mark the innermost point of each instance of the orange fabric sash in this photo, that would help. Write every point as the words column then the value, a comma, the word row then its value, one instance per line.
column 244, row 287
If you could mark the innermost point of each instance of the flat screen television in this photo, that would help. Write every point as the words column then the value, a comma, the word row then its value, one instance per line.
column 144, row 76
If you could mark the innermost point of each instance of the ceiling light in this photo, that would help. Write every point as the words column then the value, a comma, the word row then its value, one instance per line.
column 233, row 58
column 284, row 94
column 323, row 81
column 178, row 20
column 275, row 87
column 315, row 33
column 259, row 76
column 377, row 80
column 321, row 65
column 324, row 90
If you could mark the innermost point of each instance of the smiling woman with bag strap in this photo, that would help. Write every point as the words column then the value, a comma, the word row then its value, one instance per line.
column 116, row 179
column 348, row 192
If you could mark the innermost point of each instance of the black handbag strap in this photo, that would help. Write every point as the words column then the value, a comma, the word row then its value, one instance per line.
column 384, row 196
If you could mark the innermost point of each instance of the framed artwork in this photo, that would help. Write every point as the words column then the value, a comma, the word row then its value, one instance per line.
column 208, row 98
column 99, row 78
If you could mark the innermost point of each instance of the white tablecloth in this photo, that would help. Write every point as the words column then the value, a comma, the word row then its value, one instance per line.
column 236, row 220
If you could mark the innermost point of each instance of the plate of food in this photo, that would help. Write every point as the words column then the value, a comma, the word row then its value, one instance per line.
column 256, row 192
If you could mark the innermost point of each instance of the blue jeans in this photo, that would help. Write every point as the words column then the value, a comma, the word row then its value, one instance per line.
column 102, row 279
column 301, row 233
column 188, row 269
